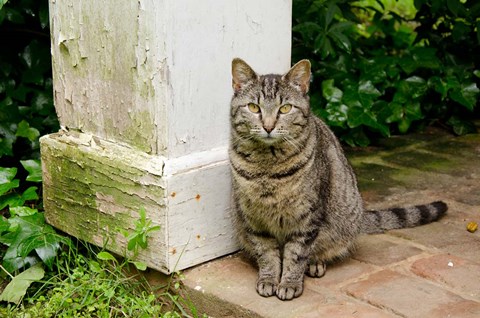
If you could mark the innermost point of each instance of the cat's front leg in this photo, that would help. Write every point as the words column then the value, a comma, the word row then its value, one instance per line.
column 266, row 252
column 295, row 257
column 269, row 270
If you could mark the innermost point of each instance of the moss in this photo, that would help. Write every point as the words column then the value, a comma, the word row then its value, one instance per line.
column 141, row 131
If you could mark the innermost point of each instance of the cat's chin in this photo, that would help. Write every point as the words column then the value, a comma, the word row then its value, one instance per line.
column 270, row 141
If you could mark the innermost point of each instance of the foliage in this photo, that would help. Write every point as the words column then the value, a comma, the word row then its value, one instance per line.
column 26, row 103
column 17, row 288
column 86, row 286
column 28, row 237
column 378, row 71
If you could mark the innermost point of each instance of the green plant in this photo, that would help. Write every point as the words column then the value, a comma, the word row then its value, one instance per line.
column 28, row 237
column 26, row 102
column 378, row 71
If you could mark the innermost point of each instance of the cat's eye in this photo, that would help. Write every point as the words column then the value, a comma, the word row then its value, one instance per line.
column 254, row 108
column 285, row 108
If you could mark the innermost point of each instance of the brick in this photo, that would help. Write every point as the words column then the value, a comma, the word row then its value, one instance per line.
column 451, row 238
column 411, row 297
column 340, row 272
column 233, row 279
column 345, row 309
column 226, row 287
column 377, row 250
column 463, row 276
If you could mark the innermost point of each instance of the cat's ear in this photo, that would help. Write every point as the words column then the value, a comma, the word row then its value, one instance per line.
column 299, row 75
column 242, row 73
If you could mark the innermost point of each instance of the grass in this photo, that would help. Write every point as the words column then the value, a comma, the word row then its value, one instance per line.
column 82, row 285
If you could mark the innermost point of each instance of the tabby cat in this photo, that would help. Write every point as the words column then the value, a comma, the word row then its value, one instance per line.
column 296, row 201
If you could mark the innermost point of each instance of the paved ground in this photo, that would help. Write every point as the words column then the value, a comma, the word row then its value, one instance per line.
column 429, row 271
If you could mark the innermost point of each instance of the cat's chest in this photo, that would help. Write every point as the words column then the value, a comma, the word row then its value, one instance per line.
column 273, row 205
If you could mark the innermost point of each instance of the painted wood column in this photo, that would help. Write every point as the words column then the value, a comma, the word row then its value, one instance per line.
column 142, row 90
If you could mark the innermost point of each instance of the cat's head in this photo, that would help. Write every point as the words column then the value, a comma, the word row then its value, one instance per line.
column 270, row 108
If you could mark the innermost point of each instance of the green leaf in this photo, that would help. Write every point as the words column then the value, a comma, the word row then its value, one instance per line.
column 360, row 116
column 461, row 126
column 17, row 288
column 15, row 199
column 341, row 40
column 141, row 266
column 336, row 114
column 4, row 225
column 30, row 194
column 7, row 181
column 22, row 211
column 308, row 30
column 455, row 7
column 14, row 16
column 2, row 3
column 43, row 16
column 24, row 130
column 106, row 256
column 31, row 233
column 356, row 137
column 417, row 86
column 34, row 169
column 367, row 93
column 332, row 10
column 331, row 93
column 466, row 95
column 439, row 85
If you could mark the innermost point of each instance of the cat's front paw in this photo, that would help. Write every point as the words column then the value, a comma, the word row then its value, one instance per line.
column 266, row 287
column 288, row 291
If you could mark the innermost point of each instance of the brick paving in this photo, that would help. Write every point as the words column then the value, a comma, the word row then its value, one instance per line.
column 428, row 271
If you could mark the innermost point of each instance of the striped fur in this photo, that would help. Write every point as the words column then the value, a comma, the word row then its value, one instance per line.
column 296, row 200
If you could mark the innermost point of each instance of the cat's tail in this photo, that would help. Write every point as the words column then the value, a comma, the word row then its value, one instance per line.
column 398, row 218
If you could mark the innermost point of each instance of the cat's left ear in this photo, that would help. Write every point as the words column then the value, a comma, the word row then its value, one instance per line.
column 242, row 73
column 299, row 75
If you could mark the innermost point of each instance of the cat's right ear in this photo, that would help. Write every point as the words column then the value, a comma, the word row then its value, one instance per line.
column 242, row 73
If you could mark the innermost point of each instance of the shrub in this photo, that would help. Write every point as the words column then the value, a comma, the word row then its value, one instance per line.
column 381, row 68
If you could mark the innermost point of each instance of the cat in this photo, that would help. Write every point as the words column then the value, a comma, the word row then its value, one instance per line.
column 296, row 203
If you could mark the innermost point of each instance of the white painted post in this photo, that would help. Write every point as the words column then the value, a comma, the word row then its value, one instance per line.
column 142, row 91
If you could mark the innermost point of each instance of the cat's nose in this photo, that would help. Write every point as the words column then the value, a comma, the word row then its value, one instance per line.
column 268, row 129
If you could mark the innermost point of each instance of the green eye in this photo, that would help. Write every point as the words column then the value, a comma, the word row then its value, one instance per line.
column 254, row 108
column 285, row 108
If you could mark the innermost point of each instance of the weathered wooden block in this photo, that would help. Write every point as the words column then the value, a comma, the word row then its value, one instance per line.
column 93, row 188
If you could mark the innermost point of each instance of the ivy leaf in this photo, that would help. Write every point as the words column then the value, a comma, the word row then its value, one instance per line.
column 336, row 114
column 16, row 289
column 7, row 181
column 461, row 127
column 31, row 233
column 24, row 130
column 4, row 224
column 356, row 137
column 15, row 199
column 367, row 92
column 330, row 92
column 34, row 169
column 466, row 95
column 439, row 85
column 22, row 211
column 416, row 86
column 361, row 116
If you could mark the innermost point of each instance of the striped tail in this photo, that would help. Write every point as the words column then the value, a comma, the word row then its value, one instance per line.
column 398, row 218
